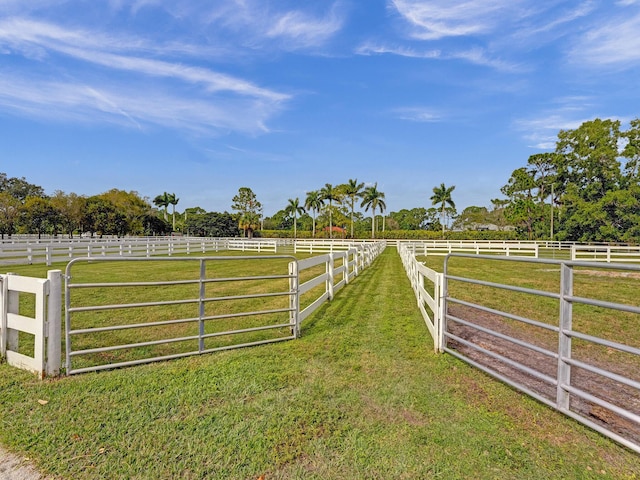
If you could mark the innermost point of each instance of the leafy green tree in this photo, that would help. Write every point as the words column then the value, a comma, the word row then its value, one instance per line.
column 522, row 210
column 351, row 191
column 153, row 225
column 212, row 224
column 38, row 215
column 374, row 199
column 131, row 205
column 314, row 202
column 103, row 217
column 442, row 196
column 9, row 212
column 414, row 219
column 331, row 194
column 631, row 153
column 590, row 157
column 293, row 209
column 249, row 210
column 70, row 208
column 19, row 188
column 472, row 218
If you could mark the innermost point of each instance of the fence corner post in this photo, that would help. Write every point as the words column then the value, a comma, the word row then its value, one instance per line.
column 54, row 321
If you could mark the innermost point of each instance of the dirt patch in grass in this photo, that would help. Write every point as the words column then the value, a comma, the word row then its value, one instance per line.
column 541, row 365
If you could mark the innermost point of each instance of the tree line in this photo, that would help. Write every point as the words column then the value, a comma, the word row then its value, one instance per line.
column 587, row 189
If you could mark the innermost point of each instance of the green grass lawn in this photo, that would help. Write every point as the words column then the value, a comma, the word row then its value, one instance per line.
column 360, row 395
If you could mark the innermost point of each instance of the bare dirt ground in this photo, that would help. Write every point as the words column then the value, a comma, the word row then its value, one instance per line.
column 595, row 385
column 13, row 467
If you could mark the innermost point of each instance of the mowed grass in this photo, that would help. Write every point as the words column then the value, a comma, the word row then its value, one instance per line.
column 360, row 395
column 178, row 291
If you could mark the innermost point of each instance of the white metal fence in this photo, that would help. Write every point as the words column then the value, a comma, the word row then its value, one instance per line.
column 31, row 339
column 588, row 375
column 288, row 291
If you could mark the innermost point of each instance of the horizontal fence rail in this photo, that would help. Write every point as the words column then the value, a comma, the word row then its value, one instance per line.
column 563, row 352
column 198, row 306
column 427, row 286
column 62, row 250
column 606, row 253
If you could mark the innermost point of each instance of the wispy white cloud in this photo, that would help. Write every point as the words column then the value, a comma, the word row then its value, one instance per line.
column 438, row 19
column 418, row 114
column 476, row 55
column 615, row 42
column 130, row 106
column 303, row 29
column 379, row 49
column 203, row 99
column 568, row 113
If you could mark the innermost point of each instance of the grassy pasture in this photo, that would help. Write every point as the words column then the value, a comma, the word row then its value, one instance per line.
column 360, row 395
column 179, row 283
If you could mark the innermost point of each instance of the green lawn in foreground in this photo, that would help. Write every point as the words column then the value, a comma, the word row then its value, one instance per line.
column 360, row 395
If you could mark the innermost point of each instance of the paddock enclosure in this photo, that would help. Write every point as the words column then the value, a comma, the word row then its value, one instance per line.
column 563, row 331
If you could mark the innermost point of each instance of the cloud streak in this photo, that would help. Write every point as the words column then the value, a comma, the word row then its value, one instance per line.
column 219, row 102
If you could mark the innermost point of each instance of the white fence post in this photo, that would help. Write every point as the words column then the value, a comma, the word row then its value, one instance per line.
column 330, row 276
column 564, row 340
column 54, row 320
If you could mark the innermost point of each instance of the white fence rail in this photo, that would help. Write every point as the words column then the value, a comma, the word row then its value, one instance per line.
column 606, row 253
column 427, row 286
column 31, row 342
column 445, row 247
column 62, row 250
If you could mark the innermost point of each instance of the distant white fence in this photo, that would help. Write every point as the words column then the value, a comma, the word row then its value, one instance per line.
column 445, row 247
column 605, row 253
column 30, row 251
column 31, row 342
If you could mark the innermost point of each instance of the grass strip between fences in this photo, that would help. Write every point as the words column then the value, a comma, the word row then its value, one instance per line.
column 360, row 395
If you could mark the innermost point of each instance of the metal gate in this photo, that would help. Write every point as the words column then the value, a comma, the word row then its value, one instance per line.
column 123, row 314
column 558, row 332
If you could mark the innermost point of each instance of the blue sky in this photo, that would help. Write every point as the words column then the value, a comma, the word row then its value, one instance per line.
column 200, row 98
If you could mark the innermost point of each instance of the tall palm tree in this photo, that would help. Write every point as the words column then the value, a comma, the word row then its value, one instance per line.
column 442, row 196
column 294, row 208
column 352, row 190
column 173, row 201
column 374, row 198
column 314, row 202
column 162, row 201
column 330, row 193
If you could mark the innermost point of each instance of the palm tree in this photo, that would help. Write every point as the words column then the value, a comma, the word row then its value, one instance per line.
column 294, row 208
column 162, row 201
column 442, row 196
column 352, row 189
column 372, row 197
column 314, row 202
column 248, row 222
column 328, row 192
column 173, row 201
